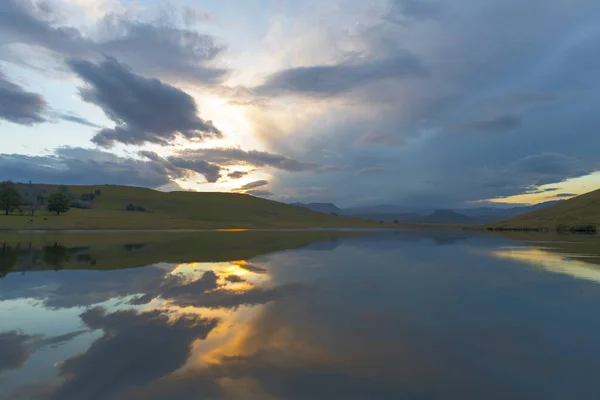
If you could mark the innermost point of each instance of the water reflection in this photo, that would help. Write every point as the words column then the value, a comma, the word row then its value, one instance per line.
column 411, row 315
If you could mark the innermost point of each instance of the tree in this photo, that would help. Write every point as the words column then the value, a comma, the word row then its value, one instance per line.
column 59, row 202
column 56, row 255
column 8, row 259
column 10, row 196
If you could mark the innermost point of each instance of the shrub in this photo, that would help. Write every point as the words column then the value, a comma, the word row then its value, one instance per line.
column 133, row 207
column 97, row 192
column 81, row 205
column 87, row 197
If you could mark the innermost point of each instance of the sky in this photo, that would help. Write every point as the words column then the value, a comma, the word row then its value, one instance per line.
column 430, row 103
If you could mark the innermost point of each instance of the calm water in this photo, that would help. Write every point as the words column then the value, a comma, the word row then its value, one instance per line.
column 411, row 315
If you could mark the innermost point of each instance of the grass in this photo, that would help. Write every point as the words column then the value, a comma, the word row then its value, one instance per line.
column 581, row 213
column 107, row 251
column 174, row 210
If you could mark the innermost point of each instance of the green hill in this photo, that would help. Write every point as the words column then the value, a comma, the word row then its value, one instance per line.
column 581, row 213
column 173, row 210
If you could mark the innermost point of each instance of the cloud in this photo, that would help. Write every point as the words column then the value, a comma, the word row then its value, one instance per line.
column 415, row 9
column 252, row 185
column 561, row 195
column 13, row 350
column 234, row 279
column 371, row 170
column 74, row 165
column 237, row 174
column 498, row 124
column 70, row 117
column 153, row 339
column 161, row 47
column 233, row 156
column 260, row 193
column 332, row 80
column 19, row 106
column 532, row 88
column 545, row 190
column 552, row 167
column 144, row 110
column 380, row 139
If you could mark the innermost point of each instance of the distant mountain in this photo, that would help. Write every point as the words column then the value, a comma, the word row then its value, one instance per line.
column 379, row 209
column 325, row 208
column 447, row 217
column 478, row 215
column 390, row 213
column 505, row 212
column 437, row 217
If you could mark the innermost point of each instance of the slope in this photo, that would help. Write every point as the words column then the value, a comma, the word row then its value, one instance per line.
column 575, row 214
column 173, row 210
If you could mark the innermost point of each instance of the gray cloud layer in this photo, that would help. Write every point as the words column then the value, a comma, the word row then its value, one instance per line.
column 145, row 110
column 337, row 79
column 497, row 112
column 232, row 156
column 19, row 106
column 70, row 165
column 253, row 185
column 13, row 350
column 159, row 48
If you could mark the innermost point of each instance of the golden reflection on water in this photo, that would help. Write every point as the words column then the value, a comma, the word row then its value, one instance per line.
column 559, row 263
column 235, row 325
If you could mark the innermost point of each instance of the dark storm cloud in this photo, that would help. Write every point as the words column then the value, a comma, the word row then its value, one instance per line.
column 331, row 80
column 154, row 48
column 20, row 106
column 13, row 350
column 252, row 185
column 231, row 156
column 145, row 110
column 136, row 349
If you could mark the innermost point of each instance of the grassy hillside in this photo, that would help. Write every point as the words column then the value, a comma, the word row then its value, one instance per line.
column 578, row 212
column 174, row 210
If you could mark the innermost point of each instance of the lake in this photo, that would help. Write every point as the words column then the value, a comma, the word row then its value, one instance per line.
column 299, row 315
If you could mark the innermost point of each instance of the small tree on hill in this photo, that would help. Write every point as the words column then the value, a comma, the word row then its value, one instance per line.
column 10, row 196
column 59, row 202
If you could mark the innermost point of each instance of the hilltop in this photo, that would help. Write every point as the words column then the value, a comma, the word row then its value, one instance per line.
column 325, row 208
column 125, row 207
column 579, row 213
